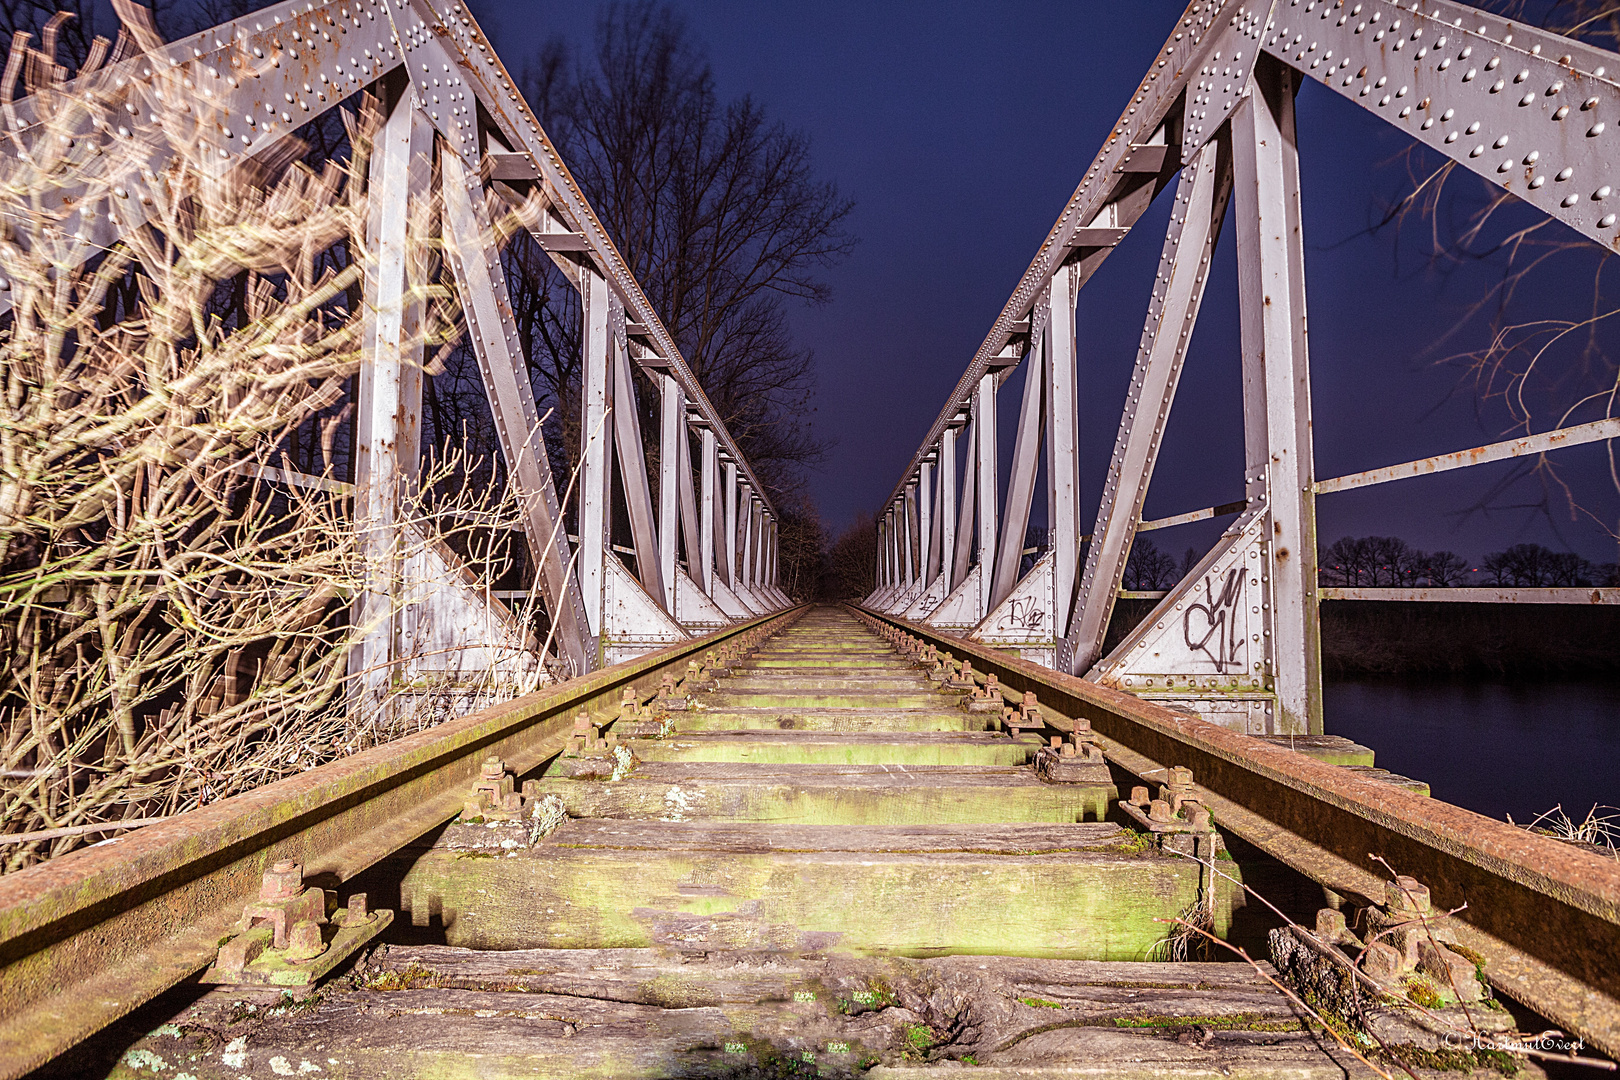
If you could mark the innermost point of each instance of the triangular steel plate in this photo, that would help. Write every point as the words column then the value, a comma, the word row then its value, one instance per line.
column 1024, row 619
column 959, row 610
column 927, row 600
column 633, row 623
column 693, row 610
column 728, row 601
column 1206, row 646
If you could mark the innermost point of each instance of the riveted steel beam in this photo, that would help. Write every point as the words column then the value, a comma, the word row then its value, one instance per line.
column 1533, row 113
column 1178, row 290
column 477, row 267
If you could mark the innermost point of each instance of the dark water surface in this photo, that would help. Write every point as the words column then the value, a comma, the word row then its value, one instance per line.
column 1497, row 748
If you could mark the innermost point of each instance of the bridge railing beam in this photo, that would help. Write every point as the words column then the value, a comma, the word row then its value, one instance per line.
column 1276, row 379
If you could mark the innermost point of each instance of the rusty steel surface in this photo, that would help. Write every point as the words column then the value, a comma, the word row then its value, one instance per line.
column 88, row 937
column 1545, row 915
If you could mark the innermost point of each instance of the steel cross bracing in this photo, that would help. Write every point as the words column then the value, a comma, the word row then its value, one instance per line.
column 448, row 98
column 1237, row 639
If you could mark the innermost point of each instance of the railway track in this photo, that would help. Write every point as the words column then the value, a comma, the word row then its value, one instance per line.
column 804, row 847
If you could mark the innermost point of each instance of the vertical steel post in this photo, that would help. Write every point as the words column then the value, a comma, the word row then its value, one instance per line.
column 730, row 569
column 1063, row 444
column 633, row 466
column 962, row 554
column 389, row 407
column 596, row 456
column 877, row 558
column 1021, row 483
column 672, row 414
column 746, row 509
column 1276, row 379
column 984, row 418
column 947, row 504
column 928, row 526
column 691, row 529
column 776, row 556
column 706, row 533
column 908, row 504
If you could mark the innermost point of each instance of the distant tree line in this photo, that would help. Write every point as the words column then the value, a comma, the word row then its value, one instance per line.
column 1390, row 562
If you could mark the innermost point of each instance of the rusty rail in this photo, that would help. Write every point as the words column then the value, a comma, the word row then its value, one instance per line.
column 88, row 937
column 1544, row 915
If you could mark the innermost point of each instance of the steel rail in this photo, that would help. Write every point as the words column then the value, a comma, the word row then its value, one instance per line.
column 88, row 937
column 1543, row 914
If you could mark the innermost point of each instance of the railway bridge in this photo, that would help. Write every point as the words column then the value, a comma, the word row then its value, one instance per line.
column 724, row 833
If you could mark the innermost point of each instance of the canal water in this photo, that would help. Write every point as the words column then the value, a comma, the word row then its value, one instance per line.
column 1497, row 748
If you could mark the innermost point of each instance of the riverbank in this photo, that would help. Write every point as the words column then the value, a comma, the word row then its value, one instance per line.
column 1514, row 641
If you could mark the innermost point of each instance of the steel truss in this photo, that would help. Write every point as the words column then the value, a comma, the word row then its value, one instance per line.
column 1237, row 640
column 449, row 100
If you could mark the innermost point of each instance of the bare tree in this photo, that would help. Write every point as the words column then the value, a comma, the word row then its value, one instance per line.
column 174, row 613
column 802, row 551
column 716, row 209
column 1148, row 568
column 852, row 561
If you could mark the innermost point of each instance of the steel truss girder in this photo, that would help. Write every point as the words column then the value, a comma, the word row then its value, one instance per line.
column 448, row 45
column 251, row 82
column 477, row 267
column 258, row 78
column 1534, row 113
column 1194, row 83
column 1178, row 290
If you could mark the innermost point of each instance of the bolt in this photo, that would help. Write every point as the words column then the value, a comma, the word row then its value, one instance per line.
column 1159, row 810
column 1029, row 700
column 1139, row 795
column 494, row 768
column 283, row 881
column 1180, row 776
column 1407, row 894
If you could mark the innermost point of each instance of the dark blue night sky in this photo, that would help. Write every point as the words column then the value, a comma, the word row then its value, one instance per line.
column 960, row 129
